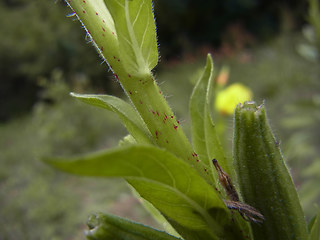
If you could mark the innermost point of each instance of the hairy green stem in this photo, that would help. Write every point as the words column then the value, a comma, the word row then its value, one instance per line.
column 159, row 118
column 142, row 89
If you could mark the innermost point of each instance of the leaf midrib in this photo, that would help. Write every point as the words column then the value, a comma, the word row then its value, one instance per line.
column 134, row 43
column 212, row 224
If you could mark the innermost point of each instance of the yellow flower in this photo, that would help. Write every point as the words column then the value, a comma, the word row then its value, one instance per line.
column 230, row 97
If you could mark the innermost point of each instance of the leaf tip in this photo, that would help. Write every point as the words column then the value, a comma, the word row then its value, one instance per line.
column 72, row 94
column 210, row 58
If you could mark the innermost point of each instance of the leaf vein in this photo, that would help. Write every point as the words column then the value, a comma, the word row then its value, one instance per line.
column 138, row 13
column 166, row 170
column 201, row 209
column 118, row 2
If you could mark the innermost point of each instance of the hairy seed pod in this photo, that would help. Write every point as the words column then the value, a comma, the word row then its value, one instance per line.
column 263, row 177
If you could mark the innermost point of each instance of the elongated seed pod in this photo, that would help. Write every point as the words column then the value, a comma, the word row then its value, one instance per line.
column 263, row 177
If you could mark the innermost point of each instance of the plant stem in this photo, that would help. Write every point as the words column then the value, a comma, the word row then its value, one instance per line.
column 142, row 90
column 165, row 128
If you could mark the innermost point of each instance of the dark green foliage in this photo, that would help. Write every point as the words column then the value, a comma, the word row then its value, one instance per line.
column 207, row 21
column 37, row 37
column 35, row 200
column 108, row 227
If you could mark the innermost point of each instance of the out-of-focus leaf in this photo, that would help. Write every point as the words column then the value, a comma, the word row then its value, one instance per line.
column 313, row 170
column 108, row 227
column 315, row 228
column 308, row 191
column 308, row 51
column 298, row 121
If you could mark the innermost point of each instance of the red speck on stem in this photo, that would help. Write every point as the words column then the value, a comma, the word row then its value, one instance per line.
column 175, row 127
column 129, row 75
column 84, row 1
column 198, row 160
column 103, row 29
column 97, row 14
column 84, row 11
column 167, row 141
column 141, row 82
column 130, row 92
column 157, row 134
column 102, row 50
column 171, row 117
column 116, row 76
column 103, row 21
column 157, row 113
column 141, row 102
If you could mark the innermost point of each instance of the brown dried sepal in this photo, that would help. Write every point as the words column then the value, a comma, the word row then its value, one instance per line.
column 247, row 212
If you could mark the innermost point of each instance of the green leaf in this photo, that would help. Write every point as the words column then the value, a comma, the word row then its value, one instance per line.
column 128, row 115
column 162, row 221
column 108, row 227
column 170, row 184
column 204, row 135
column 136, row 31
column 264, row 179
column 315, row 228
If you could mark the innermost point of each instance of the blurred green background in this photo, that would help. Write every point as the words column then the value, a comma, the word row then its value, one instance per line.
column 272, row 47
